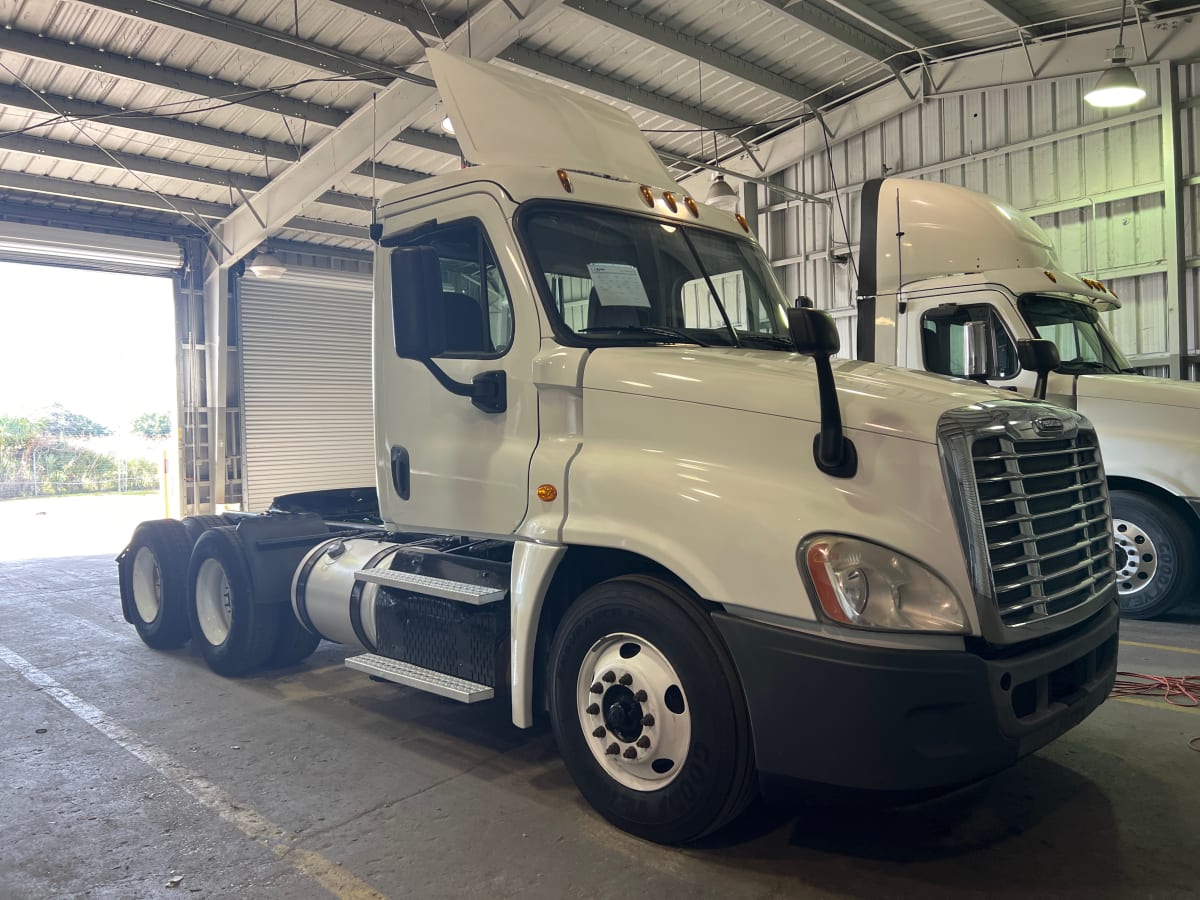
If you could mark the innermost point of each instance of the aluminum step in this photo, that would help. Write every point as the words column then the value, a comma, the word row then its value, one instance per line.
column 464, row 592
column 422, row 679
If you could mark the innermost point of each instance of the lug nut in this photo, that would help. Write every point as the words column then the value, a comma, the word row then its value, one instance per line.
column 597, row 688
column 643, row 742
column 640, row 696
column 599, row 732
column 593, row 709
column 612, row 749
column 608, row 677
column 625, row 679
column 647, row 720
column 630, row 753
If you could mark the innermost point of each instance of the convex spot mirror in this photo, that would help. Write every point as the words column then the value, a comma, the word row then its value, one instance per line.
column 418, row 313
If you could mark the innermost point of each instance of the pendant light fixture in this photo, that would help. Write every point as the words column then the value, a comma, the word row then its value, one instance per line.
column 267, row 265
column 1117, row 86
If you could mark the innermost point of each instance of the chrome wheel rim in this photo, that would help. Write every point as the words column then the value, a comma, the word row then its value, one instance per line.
column 635, row 716
column 214, row 602
column 147, row 585
column 1136, row 555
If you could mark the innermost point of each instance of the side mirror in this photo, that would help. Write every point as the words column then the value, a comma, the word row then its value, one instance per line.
column 1041, row 357
column 418, row 314
column 815, row 334
column 976, row 342
column 803, row 302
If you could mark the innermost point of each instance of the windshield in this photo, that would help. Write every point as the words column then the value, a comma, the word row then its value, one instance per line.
column 617, row 277
column 1083, row 344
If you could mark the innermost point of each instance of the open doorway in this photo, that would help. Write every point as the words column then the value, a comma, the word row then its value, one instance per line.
column 87, row 408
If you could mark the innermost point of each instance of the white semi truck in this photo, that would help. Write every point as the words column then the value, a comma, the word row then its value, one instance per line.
column 951, row 280
column 611, row 490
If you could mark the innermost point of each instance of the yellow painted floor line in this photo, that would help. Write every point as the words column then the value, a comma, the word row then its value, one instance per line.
column 1169, row 647
column 1158, row 703
column 329, row 875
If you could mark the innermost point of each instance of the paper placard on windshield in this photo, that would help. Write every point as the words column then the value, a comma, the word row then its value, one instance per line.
column 617, row 284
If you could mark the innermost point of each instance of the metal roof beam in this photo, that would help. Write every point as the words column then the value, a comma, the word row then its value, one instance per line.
column 617, row 90
column 98, row 60
column 20, row 98
column 664, row 36
column 493, row 28
column 433, row 24
column 870, row 17
column 1005, row 10
column 126, row 197
column 241, row 33
column 92, row 155
column 831, row 26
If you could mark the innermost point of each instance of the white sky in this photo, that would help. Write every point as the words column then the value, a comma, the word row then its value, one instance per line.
column 101, row 344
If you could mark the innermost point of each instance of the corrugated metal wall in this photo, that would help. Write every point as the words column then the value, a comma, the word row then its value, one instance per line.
column 1097, row 183
column 306, row 375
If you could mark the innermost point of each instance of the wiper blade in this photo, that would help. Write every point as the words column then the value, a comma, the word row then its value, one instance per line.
column 659, row 330
column 1089, row 365
column 773, row 340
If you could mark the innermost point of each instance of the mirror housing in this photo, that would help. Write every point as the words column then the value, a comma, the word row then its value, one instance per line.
column 815, row 334
column 976, row 346
column 1040, row 356
column 418, row 314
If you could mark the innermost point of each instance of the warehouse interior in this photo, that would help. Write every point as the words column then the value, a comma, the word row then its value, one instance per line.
column 240, row 151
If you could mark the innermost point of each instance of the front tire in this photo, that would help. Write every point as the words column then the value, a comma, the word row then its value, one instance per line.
column 234, row 633
column 156, row 579
column 1156, row 568
column 648, row 711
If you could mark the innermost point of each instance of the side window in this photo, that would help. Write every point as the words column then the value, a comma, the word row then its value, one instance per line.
column 942, row 341
column 479, row 316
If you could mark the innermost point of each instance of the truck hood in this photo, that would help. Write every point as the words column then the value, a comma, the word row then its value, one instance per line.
column 1139, row 389
column 875, row 398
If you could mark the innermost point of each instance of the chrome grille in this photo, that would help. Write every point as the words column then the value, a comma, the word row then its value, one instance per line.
column 1045, row 514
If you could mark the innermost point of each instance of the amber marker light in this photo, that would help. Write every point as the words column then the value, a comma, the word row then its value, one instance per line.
column 741, row 220
column 547, row 493
column 669, row 199
column 818, row 556
column 1050, row 275
column 691, row 206
column 565, row 180
column 648, row 195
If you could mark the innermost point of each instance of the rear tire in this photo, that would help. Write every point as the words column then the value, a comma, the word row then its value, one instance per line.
column 648, row 711
column 235, row 634
column 197, row 525
column 156, row 578
column 294, row 644
column 1156, row 568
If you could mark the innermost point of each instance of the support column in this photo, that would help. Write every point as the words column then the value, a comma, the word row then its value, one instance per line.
column 1174, row 220
column 216, row 360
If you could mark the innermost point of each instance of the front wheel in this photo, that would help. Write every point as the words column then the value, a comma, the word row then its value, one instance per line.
column 1156, row 568
column 648, row 712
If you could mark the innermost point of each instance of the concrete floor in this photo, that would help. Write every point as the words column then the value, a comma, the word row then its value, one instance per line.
column 123, row 767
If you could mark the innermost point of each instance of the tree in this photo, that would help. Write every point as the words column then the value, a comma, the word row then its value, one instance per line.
column 62, row 423
column 153, row 426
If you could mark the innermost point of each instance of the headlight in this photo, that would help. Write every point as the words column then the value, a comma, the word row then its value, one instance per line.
column 868, row 586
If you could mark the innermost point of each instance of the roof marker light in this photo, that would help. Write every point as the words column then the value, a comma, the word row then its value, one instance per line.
column 565, row 180
column 1050, row 275
column 669, row 199
column 741, row 220
column 692, row 207
column 648, row 195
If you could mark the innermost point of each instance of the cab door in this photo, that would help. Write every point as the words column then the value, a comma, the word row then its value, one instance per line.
column 455, row 431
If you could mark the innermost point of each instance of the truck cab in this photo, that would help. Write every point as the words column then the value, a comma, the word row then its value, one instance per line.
column 621, row 484
column 968, row 279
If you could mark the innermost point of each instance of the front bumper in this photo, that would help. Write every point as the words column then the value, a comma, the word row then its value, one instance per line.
column 893, row 720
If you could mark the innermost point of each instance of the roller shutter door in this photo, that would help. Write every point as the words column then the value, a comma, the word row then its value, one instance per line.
column 306, row 376
column 22, row 243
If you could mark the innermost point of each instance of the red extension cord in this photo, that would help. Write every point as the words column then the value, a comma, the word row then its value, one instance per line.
column 1178, row 690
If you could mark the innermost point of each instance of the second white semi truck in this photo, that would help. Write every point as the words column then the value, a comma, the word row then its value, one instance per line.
column 951, row 280
column 620, row 484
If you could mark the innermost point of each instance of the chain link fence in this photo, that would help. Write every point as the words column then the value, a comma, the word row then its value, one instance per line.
column 52, row 468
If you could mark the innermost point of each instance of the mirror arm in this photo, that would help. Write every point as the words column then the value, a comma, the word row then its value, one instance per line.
column 833, row 452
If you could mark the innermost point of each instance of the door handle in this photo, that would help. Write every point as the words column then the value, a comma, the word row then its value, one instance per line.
column 400, row 472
